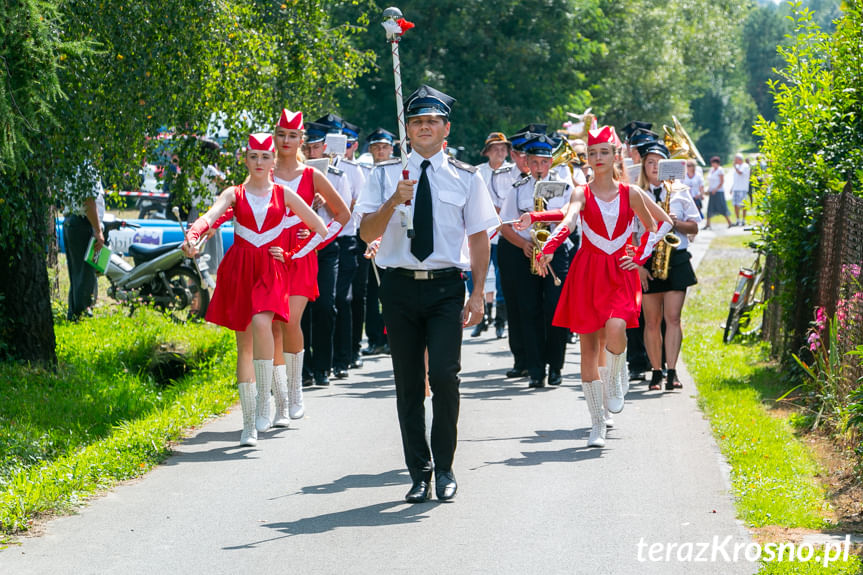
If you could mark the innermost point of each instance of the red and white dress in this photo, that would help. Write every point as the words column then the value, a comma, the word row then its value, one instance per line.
column 596, row 288
column 304, row 270
column 250, row 280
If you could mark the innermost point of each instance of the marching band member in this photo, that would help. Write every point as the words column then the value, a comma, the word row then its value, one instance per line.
column 319, row 319
column 381, row 146
column 354, row 181
column 537, row 296
column 253, row 287
column 308, row 183
column 496, row 149
column 663, row 298
column 509, row 255
column 422, row 290
column 606, row 291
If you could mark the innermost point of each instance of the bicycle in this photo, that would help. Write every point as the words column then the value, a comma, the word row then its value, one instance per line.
column 749, row 293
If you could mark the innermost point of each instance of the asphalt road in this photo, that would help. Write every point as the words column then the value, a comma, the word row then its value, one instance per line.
column 326, row 496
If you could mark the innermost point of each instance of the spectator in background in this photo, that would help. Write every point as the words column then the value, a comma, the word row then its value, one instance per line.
column 694, row 179
column 740, row 189
column 82, row 221
column 716, row 191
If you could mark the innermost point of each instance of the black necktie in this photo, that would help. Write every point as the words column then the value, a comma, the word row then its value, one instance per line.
column 657, row 192
column 422, row 243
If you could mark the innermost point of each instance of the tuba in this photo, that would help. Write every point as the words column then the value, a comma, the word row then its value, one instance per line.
column 679, row 144
column 664, row 247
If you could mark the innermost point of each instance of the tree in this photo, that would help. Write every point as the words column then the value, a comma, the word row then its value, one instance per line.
column 151, row 64
column 662, row 58
column 507, row 63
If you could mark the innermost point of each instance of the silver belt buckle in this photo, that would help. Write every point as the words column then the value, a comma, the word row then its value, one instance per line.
column 421, row 274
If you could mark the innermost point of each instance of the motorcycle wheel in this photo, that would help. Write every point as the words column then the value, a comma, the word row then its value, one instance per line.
column 189, row 299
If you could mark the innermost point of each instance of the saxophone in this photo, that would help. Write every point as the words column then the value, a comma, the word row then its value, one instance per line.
column 664, row 247
column 539, row 234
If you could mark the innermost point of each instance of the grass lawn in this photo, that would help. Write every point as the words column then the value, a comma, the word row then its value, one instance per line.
column 108, row 413
column 773, row 473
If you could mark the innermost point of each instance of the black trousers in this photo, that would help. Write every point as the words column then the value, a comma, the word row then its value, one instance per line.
column 318, row 321
column 422, row 314
column 344, row 296
column 509, row 258
column 535, row 301
column 358, row 303
column 77, row 232
column 374, row 318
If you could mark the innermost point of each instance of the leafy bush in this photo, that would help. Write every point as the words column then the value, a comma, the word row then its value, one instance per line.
column 814, row 147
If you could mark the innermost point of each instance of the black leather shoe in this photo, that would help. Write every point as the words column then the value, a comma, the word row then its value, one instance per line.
column 515, row 372
column 356, row 363
column 340, row 373
column 322, row 378
column 308, row 380
column 554, row 377
column 636, row 374
column 498, row 331
column 536, row 382
column 420, row 491
column 445, row 485
column 376, row 349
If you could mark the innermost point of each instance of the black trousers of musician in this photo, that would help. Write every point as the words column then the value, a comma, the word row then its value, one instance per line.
column 374, row 319
column 344, row 297
column 77, row 232
column 536, row 300
column 318, row 321
column 509, row 258
column 358, row 302
column 422, row 314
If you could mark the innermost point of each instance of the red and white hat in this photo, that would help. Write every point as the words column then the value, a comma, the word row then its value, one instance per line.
column 603, row 135
column 291, row 120
column 261, row 141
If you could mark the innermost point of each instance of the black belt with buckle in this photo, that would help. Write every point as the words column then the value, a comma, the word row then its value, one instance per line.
column 427, row 274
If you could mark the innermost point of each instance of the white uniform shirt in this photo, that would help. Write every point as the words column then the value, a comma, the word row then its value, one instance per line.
column 520, row 201
column 461, row 206
column 339, row 179
column 683, row 207
column 486, row 171
column 741, row 180
column 356, row 177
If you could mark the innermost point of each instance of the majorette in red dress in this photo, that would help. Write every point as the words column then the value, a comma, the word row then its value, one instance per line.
column 596, row 289
column 304, row 270
column 250, row 280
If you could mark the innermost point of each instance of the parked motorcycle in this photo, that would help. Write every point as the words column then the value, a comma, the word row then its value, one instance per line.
column 161, row 276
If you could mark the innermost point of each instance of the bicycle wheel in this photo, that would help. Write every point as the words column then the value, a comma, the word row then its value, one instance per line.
column 735, row 311
column 750, row 324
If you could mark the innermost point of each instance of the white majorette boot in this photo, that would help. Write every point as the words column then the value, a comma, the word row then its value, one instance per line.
column 624, row 373
column 263, row 382
column 615, row 391
column 593, row 397
column 280, row 393
column 606, row 415
column 294, row 366
column 249, row 437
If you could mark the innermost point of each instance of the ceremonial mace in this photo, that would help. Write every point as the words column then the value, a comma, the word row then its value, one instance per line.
column 395, row 25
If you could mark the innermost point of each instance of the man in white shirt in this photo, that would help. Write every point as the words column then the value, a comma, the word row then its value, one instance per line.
column 740, row 189
column 422, row 288
column 496, row 149
column 83, row 221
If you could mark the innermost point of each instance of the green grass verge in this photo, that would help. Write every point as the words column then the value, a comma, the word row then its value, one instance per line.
column 773, row 474
column 103, row 417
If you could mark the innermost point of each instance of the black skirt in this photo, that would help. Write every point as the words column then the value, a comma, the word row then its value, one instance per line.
column 680, row 274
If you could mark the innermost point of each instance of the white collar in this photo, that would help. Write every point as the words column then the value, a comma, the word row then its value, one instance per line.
column 436, row 161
